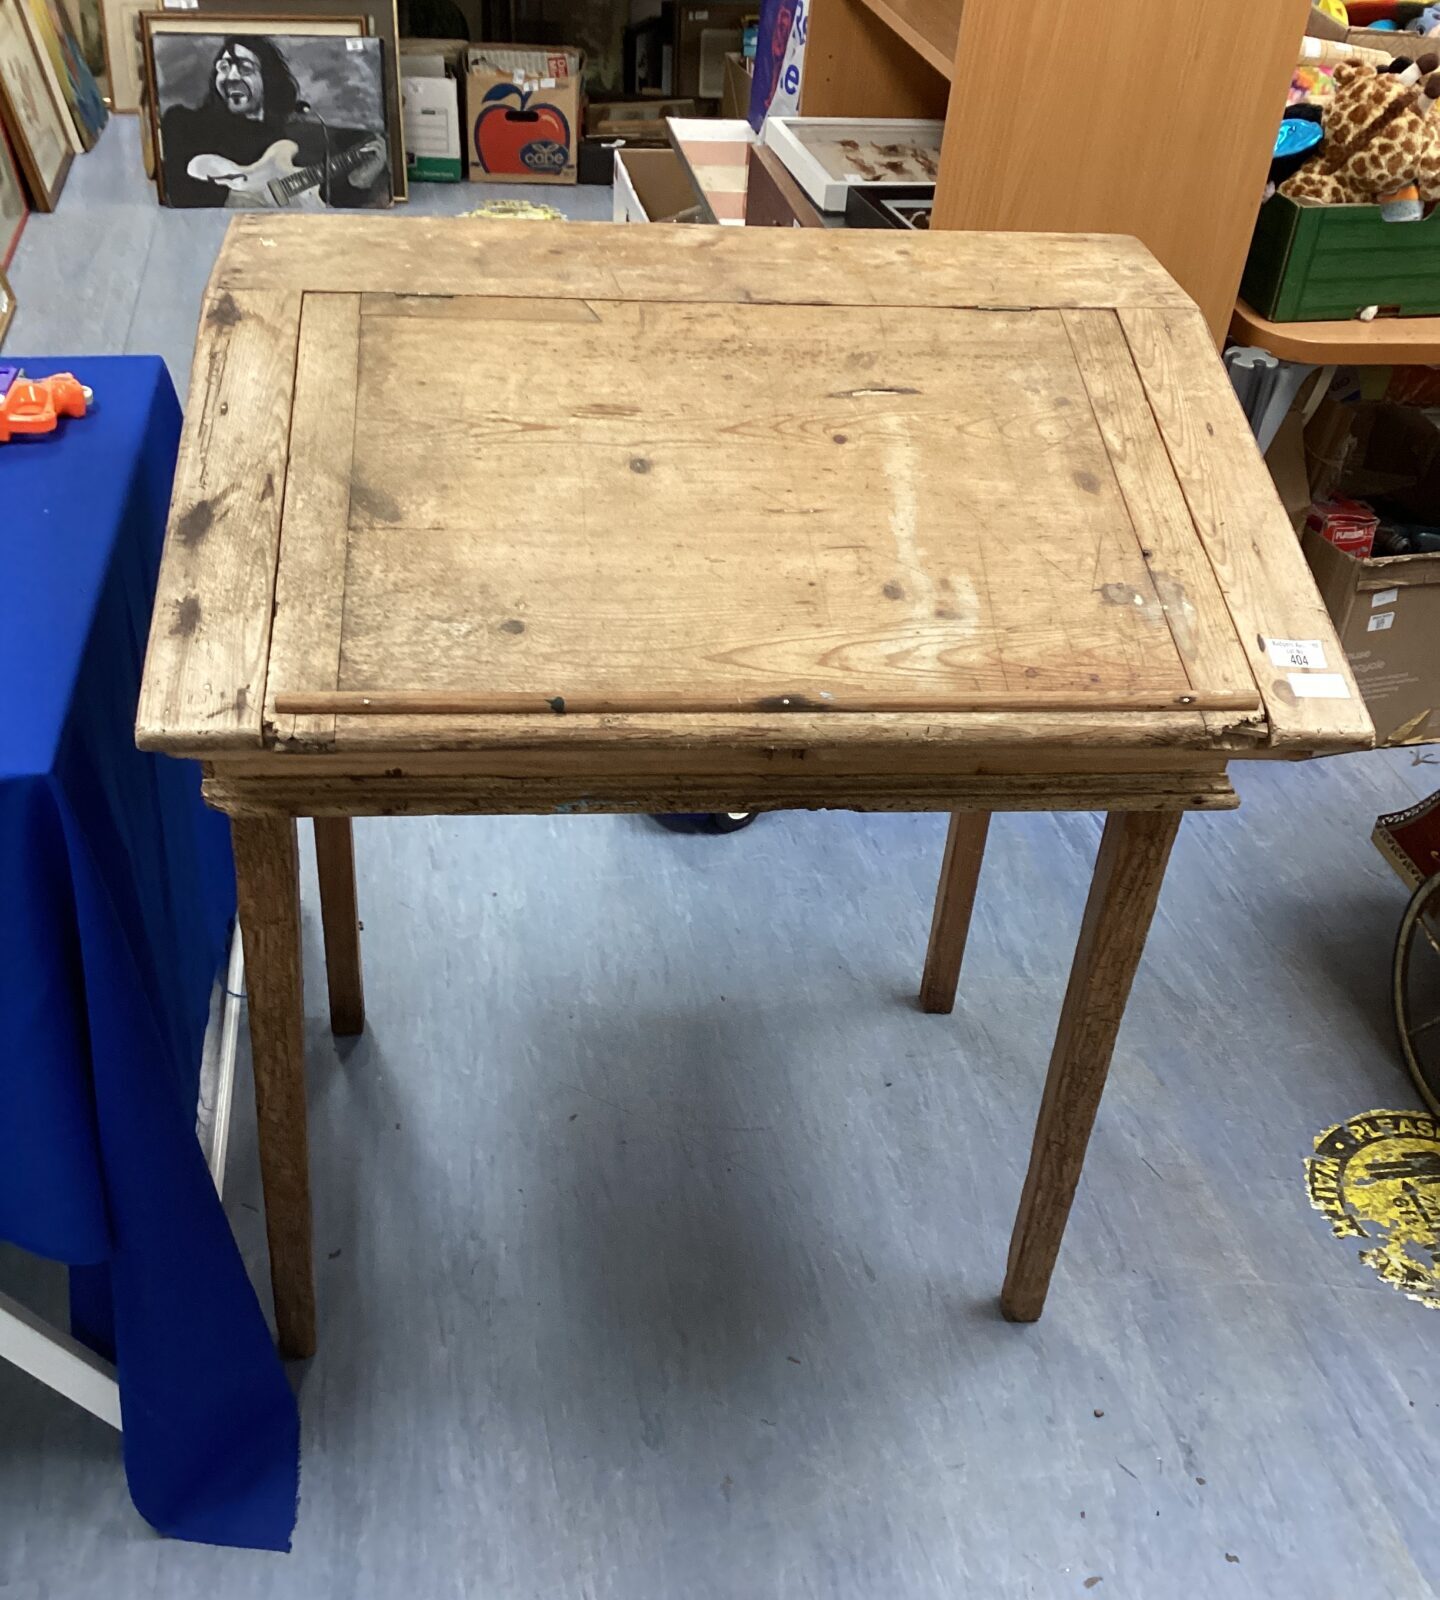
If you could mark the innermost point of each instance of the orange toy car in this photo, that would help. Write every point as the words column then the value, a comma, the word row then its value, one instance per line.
column 35, row 405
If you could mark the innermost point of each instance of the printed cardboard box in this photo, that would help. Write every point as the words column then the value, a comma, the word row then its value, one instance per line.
column 432, row 73
column 523, row 108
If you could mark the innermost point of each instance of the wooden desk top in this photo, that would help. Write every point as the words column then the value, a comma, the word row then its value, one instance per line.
column 449, row 485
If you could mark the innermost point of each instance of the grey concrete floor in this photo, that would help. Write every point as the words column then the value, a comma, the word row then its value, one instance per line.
column 659, row 1234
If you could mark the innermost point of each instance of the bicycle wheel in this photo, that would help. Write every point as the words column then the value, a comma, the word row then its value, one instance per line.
column 1415, row 990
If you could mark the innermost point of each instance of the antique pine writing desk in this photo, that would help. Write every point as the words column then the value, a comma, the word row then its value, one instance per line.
column 512, row 518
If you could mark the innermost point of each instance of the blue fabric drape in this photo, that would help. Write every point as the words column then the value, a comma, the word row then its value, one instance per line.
column 116, row 896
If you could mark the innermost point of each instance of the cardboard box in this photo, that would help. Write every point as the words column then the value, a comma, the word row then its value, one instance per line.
column 1323, row 26
column 715, row 150
column 431, row 74
column 431, row 113
column 523, row 107
column 653, row 186
column 735, row 88
column 1386, row 611
column 1390, row 43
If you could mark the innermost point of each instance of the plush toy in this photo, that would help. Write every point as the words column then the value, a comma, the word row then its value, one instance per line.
column 1380, row 140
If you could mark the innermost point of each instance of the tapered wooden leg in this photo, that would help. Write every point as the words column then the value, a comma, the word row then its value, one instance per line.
column 1128, row 873
column 267, row 877
column 959, row 876
column 340, row 918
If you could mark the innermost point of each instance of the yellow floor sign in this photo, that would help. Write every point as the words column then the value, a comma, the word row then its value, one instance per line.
column 1377, row 1177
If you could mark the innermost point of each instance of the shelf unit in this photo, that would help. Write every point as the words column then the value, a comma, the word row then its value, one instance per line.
column 1079, row 116
column 1387, row 341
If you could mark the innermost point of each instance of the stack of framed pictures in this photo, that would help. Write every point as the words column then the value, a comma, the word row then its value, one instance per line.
column 50, row 103
column 253, row 104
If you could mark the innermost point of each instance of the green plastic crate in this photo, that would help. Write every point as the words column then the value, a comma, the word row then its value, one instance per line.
column 1312, row 263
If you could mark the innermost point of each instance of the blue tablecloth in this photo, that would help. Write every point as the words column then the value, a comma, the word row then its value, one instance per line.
column 116, row 895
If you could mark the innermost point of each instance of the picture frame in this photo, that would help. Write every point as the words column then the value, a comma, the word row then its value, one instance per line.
column 901, row 205
column 7, row 306
column 14, row 208
column 148, row 21
column 58, row 50
column 816, row 154
column 35, row 118
column 197, row 172
column 124, row 52
column 382, row 18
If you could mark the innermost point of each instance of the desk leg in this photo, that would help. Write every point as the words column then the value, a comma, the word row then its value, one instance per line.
column 340, row 918
column 1128, row 873
column 959, row 876
column 267, row 877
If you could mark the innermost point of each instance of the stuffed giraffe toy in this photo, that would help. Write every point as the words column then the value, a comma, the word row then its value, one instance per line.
column 1382, row 146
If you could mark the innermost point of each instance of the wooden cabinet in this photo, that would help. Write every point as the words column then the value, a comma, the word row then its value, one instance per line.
column 1079, row 116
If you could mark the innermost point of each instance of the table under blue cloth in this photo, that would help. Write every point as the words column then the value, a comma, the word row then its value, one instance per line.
column 116, row 896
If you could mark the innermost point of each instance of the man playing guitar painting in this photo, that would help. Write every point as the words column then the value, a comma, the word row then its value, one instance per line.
column 254, row 142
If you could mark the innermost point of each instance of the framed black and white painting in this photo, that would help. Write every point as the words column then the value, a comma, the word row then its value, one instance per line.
column 252, row 120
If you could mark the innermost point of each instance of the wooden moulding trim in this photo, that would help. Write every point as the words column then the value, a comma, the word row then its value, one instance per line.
column 442, row 796
column 445, row 703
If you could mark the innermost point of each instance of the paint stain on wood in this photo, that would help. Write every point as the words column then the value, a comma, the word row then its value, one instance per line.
column 893, row 591
column 840, row 438
column 224, row 313
column 1086, row 481
column 512, row 625
column 195, row 523
column 639, row 465
column 267, row 490
column 373, row 504
column 187, row 617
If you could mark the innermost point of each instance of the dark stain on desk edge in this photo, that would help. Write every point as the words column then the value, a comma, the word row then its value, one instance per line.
column 224, row 313
column 187, row 617
column 195, row 523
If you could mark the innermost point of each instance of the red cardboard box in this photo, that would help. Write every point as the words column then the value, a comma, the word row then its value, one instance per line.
column 523, row 107
column 1347, row 524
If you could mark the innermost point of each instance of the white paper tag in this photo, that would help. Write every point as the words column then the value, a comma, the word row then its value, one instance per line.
column 1296, row 652
column 1380, row 622
column 354, row 44
column 1384, row 597
column 1322, row 686
column 182, row 5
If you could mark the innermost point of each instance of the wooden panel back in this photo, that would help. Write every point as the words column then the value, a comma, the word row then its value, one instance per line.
column 702, row 503
column 1126, row 117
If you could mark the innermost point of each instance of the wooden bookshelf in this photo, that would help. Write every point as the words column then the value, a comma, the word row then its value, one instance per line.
column 1387, row 341
column 929, row 27
column 1079, row 116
